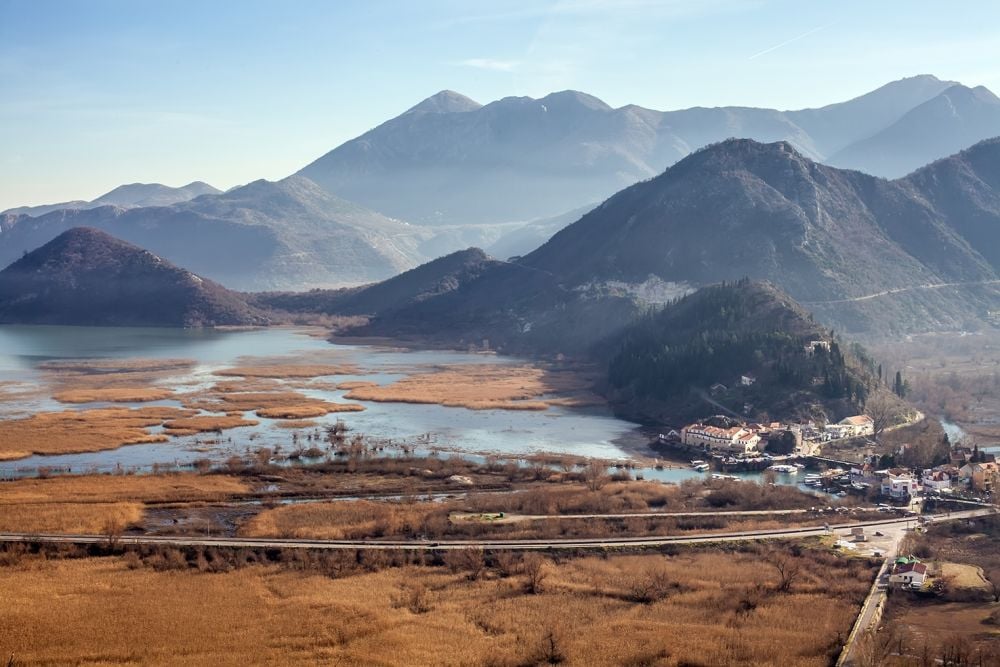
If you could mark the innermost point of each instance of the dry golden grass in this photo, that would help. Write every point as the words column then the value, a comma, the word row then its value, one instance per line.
column 73, row 431
column 963, row 576
column 287, row 370
column 113, row 394
column 477, row 387
column 341, row 520
column 274, row 405
column 722, row 611
column 206, row 424
column 180, row 487
column 72, row 518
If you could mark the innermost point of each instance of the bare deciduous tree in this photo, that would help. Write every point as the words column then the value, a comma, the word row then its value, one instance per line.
column 471, row 561
column 535, row 569
column 596, row 474
column 883, row 409
column 788, row 569
column 113, row 529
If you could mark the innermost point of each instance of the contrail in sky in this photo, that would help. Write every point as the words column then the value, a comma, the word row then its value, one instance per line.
column 789, row 41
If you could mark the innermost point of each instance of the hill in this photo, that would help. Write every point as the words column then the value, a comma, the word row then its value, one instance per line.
column 264, row 235
column 87, row 277
column 864, row 254
column 450, row 160
column 412, row 287
column 127, row 196
column 665, row 363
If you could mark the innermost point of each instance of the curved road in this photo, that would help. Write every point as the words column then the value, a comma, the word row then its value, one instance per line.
column 900, row 290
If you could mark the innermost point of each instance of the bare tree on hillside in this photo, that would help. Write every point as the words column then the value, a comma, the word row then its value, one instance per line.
column 883, row 410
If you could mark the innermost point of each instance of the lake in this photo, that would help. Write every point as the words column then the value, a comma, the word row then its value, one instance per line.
column 592, row 431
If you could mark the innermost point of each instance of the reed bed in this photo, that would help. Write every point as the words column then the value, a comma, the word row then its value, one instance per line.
column 476, row 387
column 272, row 405
column 709, row 608
column 74, row 431
column 113, row 395
column 70, row 518
column 207, row 423
column 174, row 487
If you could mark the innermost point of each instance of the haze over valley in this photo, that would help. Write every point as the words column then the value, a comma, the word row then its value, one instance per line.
column 665, row 333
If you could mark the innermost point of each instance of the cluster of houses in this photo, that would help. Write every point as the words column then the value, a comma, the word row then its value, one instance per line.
column 746, row 438
column 980, row 475
column 856, row 426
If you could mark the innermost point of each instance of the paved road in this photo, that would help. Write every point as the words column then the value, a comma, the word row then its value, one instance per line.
column 514, row 545
column 871, row 608
column 509, row 517
column 901, row 290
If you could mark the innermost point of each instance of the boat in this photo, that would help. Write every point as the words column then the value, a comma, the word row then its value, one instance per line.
column 696, row 462
column 800, row 466
column 813, row 479
column 701, row 467
column 784, row 469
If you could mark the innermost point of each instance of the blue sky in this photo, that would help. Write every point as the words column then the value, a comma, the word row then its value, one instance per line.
column 98, row 93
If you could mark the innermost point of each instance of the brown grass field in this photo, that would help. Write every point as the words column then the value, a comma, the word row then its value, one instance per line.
column 89, row 504
column 478, row 387
column 88, row 518
column 73, row 431
column 273, row 404
column 113, row 394
column 699, row 607
column 180, row 487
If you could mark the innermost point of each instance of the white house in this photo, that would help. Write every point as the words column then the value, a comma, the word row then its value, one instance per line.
column 909, row 575
column 936, row 480
column 851, row 427
column 747, row 380
column 900, row 485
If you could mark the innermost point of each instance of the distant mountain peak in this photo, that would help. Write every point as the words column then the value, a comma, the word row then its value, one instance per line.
column 446, row 101
column 575, row 97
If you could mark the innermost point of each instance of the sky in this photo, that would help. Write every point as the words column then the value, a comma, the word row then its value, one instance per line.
column 97, row 93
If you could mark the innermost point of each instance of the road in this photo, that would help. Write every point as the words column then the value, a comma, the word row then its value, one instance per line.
column 871, row 608
column 513, row 545
column 900, row 290
column 494, row 518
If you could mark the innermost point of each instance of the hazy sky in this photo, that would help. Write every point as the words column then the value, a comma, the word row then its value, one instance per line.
column 102, row 92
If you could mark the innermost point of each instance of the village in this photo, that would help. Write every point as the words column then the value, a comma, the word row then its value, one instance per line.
column 724, row 445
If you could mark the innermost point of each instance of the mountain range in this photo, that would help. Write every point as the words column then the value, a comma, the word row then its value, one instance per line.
column 126, row 196
column 87, row 277
column 478, row 172
column 264, row 235
column 863, row 253
column 450, row 160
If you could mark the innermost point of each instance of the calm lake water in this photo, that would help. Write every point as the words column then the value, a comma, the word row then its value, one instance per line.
column 592, row 431
column 586, row 432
